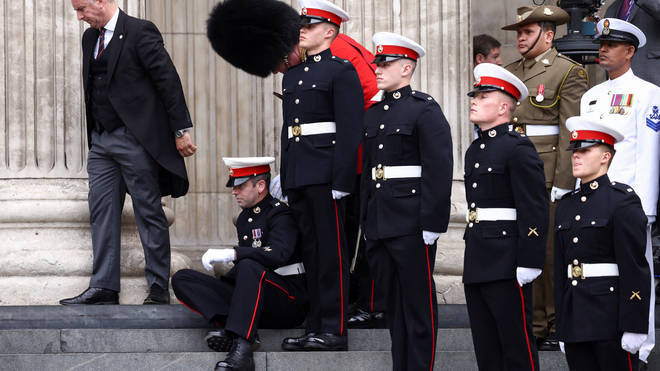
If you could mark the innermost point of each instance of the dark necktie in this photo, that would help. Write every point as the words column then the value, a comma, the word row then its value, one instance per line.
column 626, row 7
column 101, row 43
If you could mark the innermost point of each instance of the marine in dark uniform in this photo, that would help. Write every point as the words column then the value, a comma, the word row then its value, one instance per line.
column 405, row 198
column 266, row 286
column 602, row 278
column 322, row 106
column 507, row 223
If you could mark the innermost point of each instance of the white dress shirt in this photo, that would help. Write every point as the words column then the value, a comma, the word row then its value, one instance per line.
column 109, row 31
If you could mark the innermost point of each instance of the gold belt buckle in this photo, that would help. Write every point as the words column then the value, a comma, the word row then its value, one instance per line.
column 577, row 271
column 296, row 130
column 474, row 216
column 519, row 128
column 380, row 173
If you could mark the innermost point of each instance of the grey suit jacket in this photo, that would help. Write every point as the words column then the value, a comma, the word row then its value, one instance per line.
column 646, row 16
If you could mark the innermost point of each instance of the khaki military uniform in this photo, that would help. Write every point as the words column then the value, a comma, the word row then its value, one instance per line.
column 555, row 83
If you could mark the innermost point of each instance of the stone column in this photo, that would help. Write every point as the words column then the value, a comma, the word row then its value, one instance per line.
column 45, row 243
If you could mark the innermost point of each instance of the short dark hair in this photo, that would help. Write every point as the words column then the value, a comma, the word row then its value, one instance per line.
column 483, row 44
column 548, row 26
column 265, row 177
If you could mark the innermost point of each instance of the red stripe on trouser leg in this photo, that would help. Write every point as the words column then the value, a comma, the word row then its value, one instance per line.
column 341, row 279
column 186, row 305
column 280, row 287
column 372, row 296
column 529, row 348
column 254, row 313
column 629, row 361
column 428, row 267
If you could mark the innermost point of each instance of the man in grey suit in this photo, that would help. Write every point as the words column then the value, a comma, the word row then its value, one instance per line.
column 136, row 122
column 644, row 14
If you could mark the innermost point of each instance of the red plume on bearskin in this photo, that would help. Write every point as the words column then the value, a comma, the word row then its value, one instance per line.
column 253, row 35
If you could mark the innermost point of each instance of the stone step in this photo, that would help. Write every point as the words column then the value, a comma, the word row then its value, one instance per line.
column 272, row 361
column 53, row 341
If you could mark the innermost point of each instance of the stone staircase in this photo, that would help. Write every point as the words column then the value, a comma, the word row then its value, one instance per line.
column 171, row 338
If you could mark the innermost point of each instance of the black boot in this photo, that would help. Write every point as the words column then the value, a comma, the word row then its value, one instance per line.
column 239, row 357
column 296, row 344
column 221, row 340
column 157, row 295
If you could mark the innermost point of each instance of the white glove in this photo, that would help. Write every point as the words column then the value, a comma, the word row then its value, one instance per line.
column 276, row 187
column 217, row 256
column 337, row 195
column 631, row 342
column 430, row 237
column 526, row 275
column 561, row 347
column 556, row 193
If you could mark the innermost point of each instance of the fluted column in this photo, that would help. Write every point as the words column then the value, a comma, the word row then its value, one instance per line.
column 45, row 242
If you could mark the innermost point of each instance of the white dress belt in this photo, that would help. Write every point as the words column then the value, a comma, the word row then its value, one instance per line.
column 394, row 172
column 291, row 269
column 539, row 130
column 491, row 214
column 593, row 270
column 314, row 128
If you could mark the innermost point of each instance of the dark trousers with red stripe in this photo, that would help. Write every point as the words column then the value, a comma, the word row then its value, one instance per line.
column 501, row 329
column 255, row 297
column 364, row 292
column 404, row 267
column 325, row 256
column 600, row 356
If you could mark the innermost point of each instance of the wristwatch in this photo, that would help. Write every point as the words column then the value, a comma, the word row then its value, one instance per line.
column 179, row 133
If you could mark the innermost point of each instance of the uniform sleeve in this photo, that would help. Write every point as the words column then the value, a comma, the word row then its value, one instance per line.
column 531, row 202
column 559, row 266
column 158, row 65
column 365, row 179
column 435, row 152
column 283, row 237
column 569, row 105
column 652, row 7
column 349, row 112
column 647, row 153
column 629, row 224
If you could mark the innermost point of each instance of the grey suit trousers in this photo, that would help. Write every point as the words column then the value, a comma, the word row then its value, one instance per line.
column 117, row 164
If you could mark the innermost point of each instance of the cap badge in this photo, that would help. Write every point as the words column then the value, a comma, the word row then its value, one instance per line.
column 574, row 135
column 520, row 18
column 396, row 95
column 547, row 11
column 477, row 82
column 231, row 172
column 492, row 133
column 379, row 49
column 303, row 11
column 593, row 185
column 606, row 27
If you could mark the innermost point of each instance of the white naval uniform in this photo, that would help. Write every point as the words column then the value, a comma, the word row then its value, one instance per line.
column 637, row 158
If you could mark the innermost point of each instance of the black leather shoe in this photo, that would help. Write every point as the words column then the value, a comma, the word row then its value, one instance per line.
column 296, row 344
column 221, row 341
column 364, row 319
column 239, row 357
column 326, row 342
column 157, row 295
column 94, row 295
column 549, row 344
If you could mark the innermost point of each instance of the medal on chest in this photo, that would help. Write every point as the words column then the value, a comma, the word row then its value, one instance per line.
column 256, row 237
column 621, row 103
column 539, row 94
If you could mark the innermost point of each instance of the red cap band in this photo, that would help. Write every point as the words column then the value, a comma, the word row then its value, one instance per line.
column 248, row 171
column 396, row 50
column 592, row 135
column 508, row 87
column 323, row 14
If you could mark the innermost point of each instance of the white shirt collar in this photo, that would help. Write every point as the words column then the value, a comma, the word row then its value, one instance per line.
column 626, row 76
column 112, row 23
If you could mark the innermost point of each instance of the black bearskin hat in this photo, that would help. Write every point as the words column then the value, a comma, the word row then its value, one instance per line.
column 253, row 35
